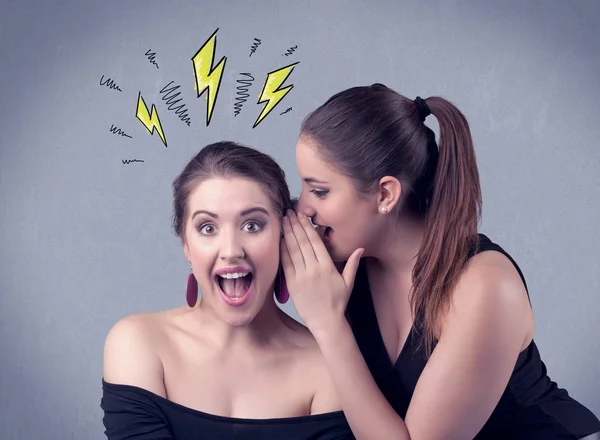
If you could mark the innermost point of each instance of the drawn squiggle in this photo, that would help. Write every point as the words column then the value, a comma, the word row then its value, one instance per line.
column 289, row 109
column 254, row 46
column 110, row 84
column 291, row 50
column 115, row 130
column 151, row 56
column 126, row 161
column 170, row 99
column 242, row 92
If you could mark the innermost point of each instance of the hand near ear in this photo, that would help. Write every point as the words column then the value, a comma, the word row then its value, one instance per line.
column 319, row 292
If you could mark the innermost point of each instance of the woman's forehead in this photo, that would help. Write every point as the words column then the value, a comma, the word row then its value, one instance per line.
column 312, row 166
column 229, row 195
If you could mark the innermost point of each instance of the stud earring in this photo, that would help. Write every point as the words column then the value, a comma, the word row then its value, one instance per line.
column 383, row 210
column 191, row 289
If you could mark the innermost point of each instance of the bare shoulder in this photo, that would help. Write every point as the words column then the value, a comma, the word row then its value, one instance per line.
column 491, row 276
column 491, row 290
column 131, row 355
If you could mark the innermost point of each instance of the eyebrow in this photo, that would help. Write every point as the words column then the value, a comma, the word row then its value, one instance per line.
column 242, row 214
column 202, row 211
column 313, row 180
column 256, row 209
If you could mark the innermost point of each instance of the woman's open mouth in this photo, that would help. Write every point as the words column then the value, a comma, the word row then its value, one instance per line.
column 325, row 232
column 235, row 285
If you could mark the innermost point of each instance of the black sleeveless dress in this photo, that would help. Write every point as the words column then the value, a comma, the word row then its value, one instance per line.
column 132, row 413
column 531, row 407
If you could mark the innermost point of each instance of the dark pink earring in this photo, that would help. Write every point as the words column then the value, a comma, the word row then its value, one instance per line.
column 281, row 291
column 191, row 289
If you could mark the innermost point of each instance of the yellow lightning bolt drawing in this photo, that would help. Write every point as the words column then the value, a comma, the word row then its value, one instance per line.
column 271, row 94
column 207, row 77
column 150, row 119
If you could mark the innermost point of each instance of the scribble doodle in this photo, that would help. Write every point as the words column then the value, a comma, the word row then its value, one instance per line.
column 115, row 130
column 110, row 84
column 289, row 109
column 150, row 120
column 170, row 98
column 291, row 50
column 151, row 56
column 208, row 78
column 271, row 93
column 242, row 92
column 254, row 46
column 128, row 161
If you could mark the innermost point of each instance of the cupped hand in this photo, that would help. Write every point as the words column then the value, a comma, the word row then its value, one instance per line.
column 319, row 292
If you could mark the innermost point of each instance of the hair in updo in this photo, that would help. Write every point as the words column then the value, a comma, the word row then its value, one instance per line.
column 229, row 159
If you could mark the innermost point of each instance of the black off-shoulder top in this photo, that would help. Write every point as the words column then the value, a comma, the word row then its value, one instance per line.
column 133, row 413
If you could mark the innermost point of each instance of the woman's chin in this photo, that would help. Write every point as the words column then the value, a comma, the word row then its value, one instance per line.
column 238, row 321
column 338, row 256
column 240, row 311
column 238, row 316
column 242, row 316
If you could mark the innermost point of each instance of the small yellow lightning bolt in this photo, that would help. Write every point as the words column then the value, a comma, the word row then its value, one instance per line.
column 150, row 119
column 271, row 94
column 207, row 77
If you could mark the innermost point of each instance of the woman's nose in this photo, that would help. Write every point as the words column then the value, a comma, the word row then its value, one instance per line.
column 232, row 248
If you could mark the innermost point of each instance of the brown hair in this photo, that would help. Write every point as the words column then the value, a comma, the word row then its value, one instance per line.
column 371, row 132
column 229, row 159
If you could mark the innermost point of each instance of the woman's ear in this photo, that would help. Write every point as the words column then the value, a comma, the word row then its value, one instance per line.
column 186, row 252
column 389, row 190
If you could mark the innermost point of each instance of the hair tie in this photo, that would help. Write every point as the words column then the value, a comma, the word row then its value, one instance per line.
column 422, row 107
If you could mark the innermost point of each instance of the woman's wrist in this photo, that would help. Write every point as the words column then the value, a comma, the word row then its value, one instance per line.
column 331, row 333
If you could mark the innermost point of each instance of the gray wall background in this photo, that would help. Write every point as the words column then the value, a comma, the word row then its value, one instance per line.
column 86, row 239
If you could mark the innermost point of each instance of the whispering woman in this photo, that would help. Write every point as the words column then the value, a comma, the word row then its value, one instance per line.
column 430, row 335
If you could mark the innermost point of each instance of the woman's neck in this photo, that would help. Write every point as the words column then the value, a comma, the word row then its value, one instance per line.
column 393, row 257
column 396, row 248
column 262, row 331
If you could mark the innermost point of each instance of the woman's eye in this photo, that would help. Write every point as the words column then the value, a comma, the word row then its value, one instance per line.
column 320, row 193
column 207, row 229
column 252, row 227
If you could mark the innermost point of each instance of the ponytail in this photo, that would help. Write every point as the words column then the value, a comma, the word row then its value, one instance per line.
column 451, row 219
column 369, row 132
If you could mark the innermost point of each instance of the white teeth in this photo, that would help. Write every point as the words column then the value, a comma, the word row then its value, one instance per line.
column 233, row 275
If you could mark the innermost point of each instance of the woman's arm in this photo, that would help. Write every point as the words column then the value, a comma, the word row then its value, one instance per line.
column 469, row 369
column 131, row 363
column 368, row 412
column 130, row 357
